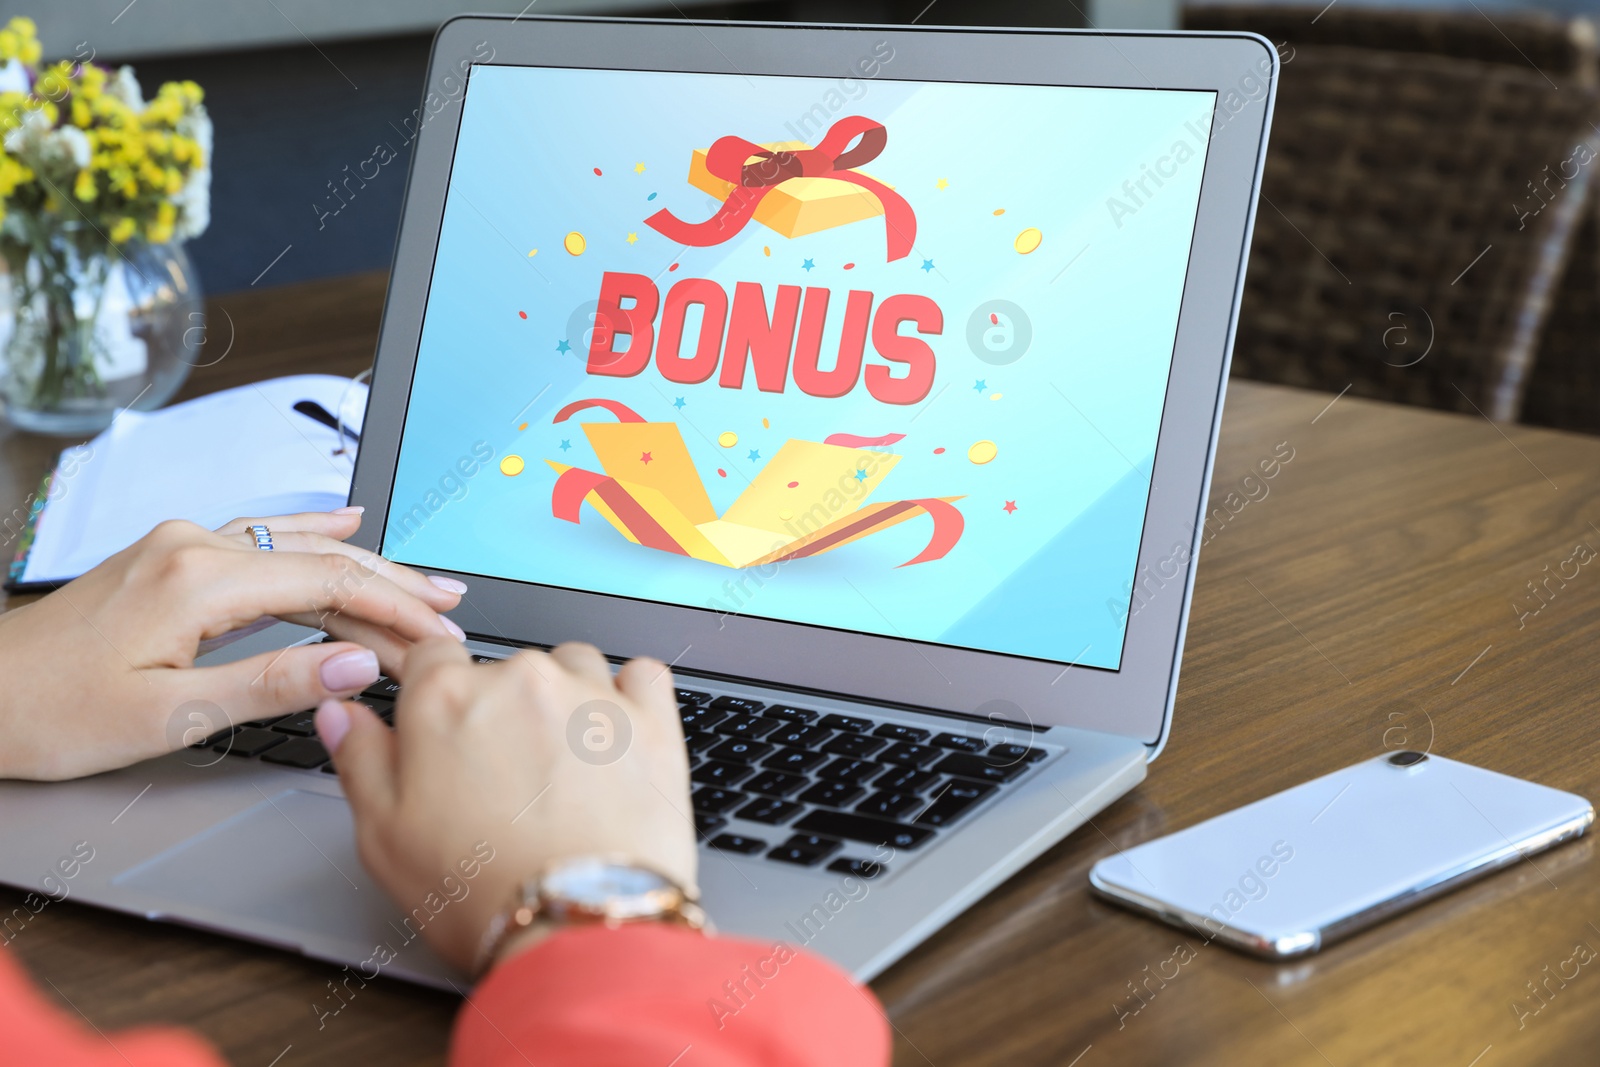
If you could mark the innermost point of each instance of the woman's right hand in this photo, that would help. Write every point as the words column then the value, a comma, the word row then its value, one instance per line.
column 543, row 757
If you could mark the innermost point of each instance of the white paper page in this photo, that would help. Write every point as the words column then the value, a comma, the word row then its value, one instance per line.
column 245, row 451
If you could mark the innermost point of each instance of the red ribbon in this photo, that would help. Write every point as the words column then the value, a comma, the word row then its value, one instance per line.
column 622, row 411
column 850, row 440
column 832, row 158
column 948, row 524
column 573, row 488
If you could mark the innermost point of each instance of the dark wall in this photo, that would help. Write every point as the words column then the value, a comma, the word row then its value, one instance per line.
column 289, row 121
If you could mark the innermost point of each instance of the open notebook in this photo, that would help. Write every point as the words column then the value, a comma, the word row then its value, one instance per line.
column 269, row 448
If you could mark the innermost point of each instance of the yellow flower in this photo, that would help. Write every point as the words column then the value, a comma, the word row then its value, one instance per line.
column 123, row 230
column 19, row 40
column 11, row 108
column 83, row 187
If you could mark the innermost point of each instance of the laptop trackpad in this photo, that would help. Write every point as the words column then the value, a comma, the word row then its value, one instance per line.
column 284, row 871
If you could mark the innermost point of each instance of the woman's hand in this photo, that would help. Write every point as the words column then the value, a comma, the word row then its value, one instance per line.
column 97, row 672
column 503, row 769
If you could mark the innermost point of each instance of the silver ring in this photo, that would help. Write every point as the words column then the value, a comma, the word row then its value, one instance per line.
column 263, row 537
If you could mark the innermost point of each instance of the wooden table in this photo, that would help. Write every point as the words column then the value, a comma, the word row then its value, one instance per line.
column 1376, row 597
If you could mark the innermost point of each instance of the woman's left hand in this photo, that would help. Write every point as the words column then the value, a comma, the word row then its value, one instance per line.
column 100, row 673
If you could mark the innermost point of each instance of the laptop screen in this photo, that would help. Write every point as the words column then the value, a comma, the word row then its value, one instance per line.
column 878, row 355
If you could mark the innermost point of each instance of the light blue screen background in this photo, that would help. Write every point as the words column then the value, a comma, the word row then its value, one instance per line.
column 1075, row 419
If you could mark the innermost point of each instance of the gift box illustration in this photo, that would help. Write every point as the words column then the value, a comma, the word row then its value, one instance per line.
column 798, row 505
column 794, row 189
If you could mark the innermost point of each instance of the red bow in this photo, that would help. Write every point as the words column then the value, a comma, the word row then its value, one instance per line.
column 832, row 158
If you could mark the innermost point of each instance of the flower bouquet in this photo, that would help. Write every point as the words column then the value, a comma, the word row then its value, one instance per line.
column 98, row 188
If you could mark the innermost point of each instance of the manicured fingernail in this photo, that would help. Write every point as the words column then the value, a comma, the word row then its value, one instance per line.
column 455, row 631
column 355, row 669
column 353, row 509
column 449, row 585
column 333, row 722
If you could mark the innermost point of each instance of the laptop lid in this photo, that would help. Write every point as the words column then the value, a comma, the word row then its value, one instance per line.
column 884, row 362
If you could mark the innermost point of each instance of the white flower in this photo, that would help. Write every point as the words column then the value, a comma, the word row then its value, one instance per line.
column 194, row 206
column 13, row 79
column 194, row 199
column 125, row 87
column 60, row 153
column 26, row 140
column 75, row 143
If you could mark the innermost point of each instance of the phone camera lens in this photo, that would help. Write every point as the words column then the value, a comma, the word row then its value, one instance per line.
column 1407, row 758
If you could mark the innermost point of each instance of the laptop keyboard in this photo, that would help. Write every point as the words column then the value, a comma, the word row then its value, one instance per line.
column 787, row 783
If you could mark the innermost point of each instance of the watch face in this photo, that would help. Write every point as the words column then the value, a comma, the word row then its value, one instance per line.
column 598, row 884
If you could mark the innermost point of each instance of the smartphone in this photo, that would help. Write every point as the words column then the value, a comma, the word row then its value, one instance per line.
column 1298, row 870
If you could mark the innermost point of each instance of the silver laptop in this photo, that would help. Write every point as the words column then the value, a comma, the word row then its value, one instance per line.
column 868, row 376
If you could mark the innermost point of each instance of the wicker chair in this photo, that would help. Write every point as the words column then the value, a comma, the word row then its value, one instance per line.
column 1563, row 49
column 1563, row 387
column 1387, row 227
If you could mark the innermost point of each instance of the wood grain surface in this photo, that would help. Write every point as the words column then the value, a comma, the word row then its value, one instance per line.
column 1375, row 593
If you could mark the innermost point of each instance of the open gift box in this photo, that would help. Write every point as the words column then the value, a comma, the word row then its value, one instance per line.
column 799, row 504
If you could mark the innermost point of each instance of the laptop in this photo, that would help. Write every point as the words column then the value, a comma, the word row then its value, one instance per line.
column 868, row 376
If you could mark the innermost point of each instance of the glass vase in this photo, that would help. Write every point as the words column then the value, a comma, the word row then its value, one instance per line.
column 87, row 330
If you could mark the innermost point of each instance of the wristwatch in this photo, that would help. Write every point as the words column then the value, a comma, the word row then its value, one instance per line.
column 591, row 889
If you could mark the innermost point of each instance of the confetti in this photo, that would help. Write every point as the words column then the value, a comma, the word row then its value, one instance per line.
column 511, row 466
column 766, row 250
column 994, row 319
column 1011, row 506
column 638, row 168
column 999, row 211
column 533, row 253
column 982, row 452
column 522, row 427
column 765, row 425
column 574, row 243
column 728, row 439
column 849, row 266
column 721, row 473
column 1028, row 240
column 997, row 396
column 522, row 314
column 652, row 196
column 672, row 268
column 597, row 172
column 938, row 451
column 943, row 183
column 794, row 485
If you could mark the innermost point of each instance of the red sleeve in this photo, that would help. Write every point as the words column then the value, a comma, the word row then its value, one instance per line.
column 35, row 1031
column 593, row 997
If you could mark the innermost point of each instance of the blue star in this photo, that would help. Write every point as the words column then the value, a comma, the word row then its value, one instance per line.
column 980, row 385
column 678, row 403
column 755, row 454
column 861, row 476
column 562, row 346
column 565, row 445
column 807, row 265
column 927, row 264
